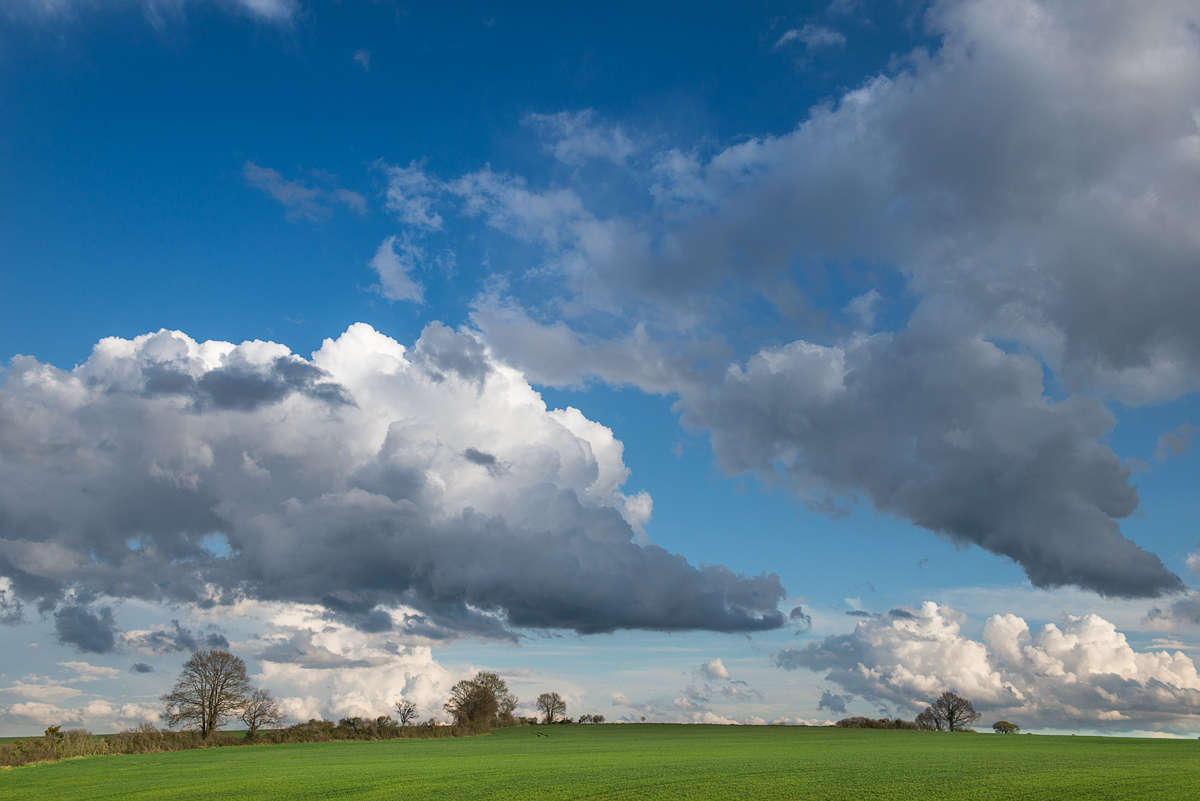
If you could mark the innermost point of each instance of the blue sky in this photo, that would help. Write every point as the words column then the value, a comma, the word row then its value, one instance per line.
column 758, row 362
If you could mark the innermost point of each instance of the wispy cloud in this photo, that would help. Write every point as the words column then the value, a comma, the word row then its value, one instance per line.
column 812, row 37
column 302, row 200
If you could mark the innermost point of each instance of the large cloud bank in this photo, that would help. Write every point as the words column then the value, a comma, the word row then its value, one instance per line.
column 365, row 478
column 1016, row 203
column 1081, row 673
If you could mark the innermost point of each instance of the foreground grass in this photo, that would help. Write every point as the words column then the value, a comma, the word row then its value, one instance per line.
column 646, row 761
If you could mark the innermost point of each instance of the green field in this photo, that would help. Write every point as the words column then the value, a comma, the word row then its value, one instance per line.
column 641, row 761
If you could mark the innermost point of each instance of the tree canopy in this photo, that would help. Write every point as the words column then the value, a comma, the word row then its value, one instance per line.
column 480, row 703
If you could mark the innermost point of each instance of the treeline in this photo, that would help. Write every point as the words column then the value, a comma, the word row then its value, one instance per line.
column 55, row 744
column 149, row 739
column 876, row 723
column 950, row 712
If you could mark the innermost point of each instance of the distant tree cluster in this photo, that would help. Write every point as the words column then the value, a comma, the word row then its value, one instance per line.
column 479, row 704
column 591, row 718
column 950, row 712
column 875, row 723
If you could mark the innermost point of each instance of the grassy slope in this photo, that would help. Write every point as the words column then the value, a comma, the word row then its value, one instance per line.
column 642, row 762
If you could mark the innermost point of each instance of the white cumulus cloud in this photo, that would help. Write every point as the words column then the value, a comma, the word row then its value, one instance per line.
column 1080, row 673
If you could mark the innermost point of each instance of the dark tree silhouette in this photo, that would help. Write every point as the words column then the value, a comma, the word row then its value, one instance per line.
column 1004, row 727
column 951, row 712
column 551, row 705
column 212, row 687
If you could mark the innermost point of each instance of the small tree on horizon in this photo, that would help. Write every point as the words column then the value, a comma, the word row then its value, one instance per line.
column 261, row 710
column 406, row 711
column 551, row 705
column 1004, row 727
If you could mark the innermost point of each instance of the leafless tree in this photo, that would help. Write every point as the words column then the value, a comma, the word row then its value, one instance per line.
column 551, row 705
column 406, row 711
column 212, row 687
column 260, row 710
column 951, row 712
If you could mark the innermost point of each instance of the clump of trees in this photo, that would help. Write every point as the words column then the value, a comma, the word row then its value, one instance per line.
column 875, row 723
column 1004, row 727
column 213, row 687
column 480, row 704
column 950, row 712
column 591, row 718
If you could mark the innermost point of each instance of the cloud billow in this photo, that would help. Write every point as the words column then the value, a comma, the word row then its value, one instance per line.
column 1029, row 254
column 1081, row 672
column 367, row 478
column 959, row 439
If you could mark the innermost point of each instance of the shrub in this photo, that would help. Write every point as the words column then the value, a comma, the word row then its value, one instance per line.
column 873, row 723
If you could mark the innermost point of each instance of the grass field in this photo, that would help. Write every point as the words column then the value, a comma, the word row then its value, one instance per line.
column 642, row 761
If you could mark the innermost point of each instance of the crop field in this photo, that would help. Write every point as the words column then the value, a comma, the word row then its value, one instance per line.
column 641, row 761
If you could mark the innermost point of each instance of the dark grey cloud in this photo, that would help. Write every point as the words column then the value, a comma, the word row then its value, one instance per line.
column 299, row 649
column 245, row 388
column 361, row 501
column 86, row 629
column 173, row 639
column 802, row 621
column 954, row 435
column 585, row 573
column 443, row 351
column 485, row 460
column 140, row 667
column 834, row 703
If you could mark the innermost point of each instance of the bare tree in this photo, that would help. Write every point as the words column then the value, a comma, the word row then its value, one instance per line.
column 551, row 705
column 951, row 712
column 212, row 687
column 260, row 710
column 406, row 711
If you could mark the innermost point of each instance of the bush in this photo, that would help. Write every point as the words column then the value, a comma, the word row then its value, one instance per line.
column 873, row 723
